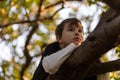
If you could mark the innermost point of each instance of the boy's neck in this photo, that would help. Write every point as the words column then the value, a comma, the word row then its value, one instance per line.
column 61, row 46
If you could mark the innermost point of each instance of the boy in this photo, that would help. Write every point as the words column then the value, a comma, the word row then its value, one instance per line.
column 69, row 35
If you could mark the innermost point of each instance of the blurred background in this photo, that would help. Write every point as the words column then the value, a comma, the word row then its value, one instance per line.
column 27, row 26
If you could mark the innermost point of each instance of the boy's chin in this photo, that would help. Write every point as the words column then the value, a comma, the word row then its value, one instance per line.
column 77, row 43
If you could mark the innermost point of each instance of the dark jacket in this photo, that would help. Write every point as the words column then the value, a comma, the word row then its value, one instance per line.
column 40, row 73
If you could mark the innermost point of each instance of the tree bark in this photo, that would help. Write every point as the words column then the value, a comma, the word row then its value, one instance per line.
column 115, row 4
column 82, row 62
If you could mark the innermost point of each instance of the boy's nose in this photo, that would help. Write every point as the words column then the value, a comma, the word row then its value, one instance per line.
column 77, row 32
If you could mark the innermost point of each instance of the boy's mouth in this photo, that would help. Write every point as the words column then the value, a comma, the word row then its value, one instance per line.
column 76, row 39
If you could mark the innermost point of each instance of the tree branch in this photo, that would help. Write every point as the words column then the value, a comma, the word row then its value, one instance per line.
column 115, row 4
column 100, row 68
column 26, row 52
column 59, row 2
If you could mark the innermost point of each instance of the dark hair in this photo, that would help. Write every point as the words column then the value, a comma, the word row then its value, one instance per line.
column 60, row 27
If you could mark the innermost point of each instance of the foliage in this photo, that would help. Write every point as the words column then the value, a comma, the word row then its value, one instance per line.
column 93, row 1
column 118, row 50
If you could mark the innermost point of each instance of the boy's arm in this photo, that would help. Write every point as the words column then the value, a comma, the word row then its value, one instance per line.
column 52, row 63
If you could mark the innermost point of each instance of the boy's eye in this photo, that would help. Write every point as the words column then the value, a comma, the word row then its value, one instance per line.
column 71, row 29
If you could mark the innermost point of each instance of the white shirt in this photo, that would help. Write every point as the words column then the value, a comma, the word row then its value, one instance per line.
column 52, row 63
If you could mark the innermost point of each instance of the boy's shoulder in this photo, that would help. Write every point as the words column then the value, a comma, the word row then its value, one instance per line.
column 53, row 44
column 51, row 48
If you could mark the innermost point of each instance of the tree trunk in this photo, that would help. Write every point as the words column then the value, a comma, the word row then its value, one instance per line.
column 82, row 62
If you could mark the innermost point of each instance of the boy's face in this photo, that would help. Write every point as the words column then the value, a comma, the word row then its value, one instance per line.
column 71, row 34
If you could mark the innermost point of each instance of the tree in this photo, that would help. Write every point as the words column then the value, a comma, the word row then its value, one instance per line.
column 103, row 38
column 20, row 21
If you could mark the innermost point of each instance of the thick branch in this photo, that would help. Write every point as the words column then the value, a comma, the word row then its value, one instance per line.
column 100, row 68
column 98, row 42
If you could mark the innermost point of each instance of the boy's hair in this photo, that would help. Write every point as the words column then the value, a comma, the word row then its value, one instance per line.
column 60, row 27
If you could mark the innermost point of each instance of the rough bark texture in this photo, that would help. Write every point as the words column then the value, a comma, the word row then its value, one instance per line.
column 103, row 38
